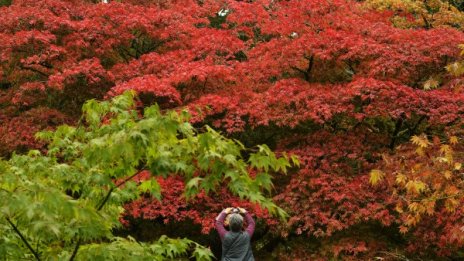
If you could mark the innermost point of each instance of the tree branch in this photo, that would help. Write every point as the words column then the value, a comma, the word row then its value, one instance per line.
column 103, row 202
column 99, row 207
column 398, row 124
column 427, row 23
column 394, row 255
column 125, row 54
column 204, row 85
column 414, row 128
column 310, row 67
column 34, row 70
column 432, row 199
column 76, row 248
column 105, row 199
column 36, row 255
column 306, row 73
column 298, row 69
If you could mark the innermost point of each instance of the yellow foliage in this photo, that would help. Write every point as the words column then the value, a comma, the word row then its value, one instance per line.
column 449, row 158
column 420, row 186
column 445, row 148
column 401, row 179
column 415, row 187
column 376, row 176
column 456, row 68
column 426, row 184
column 386, row 159
column 412, row 220
column 448, row 174
column 461, row 46
column 431, row 83
column 421, row 141
column 420, row 151
column 416, row 207
column 426, row 14
column 453, row 140
column 409, row 6
column 443, row 160
column 457, row 166
column 451, row 204
column 448, row 151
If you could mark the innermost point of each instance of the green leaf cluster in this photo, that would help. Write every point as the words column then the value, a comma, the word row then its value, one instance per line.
column 65, row 204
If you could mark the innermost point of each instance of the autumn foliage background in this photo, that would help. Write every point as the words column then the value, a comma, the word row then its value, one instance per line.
column 343, row 84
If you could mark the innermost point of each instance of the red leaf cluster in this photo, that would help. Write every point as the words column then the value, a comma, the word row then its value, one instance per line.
column 173, row 206
column 331, row 81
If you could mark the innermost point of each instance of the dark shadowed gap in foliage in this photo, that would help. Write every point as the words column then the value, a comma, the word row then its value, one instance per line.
column 375, row 235
column 71, row 98
column 149, row 99
column 266, row 245
column 263, row 241
column 5, row 2
column 151, row 230
column 270, row 134
column 5, row 85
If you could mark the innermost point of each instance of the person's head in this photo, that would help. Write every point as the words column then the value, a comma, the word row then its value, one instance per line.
column 235, row 222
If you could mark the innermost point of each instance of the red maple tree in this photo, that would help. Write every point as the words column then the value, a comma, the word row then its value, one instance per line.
column 331, row 81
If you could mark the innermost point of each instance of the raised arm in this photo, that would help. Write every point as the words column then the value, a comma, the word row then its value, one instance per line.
column 251, row 223
column 220, row 224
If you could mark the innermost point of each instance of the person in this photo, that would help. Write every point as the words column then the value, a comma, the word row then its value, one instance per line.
column 236, row 244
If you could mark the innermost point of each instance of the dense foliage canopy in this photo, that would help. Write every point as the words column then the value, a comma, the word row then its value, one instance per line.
column 340, row 83
column 65, row 203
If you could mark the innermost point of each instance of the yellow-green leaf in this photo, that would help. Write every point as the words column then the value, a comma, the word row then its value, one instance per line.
column 376, row 176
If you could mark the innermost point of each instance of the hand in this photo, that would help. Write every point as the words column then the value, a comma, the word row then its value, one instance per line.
column 226, row 211
column 242, row 210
